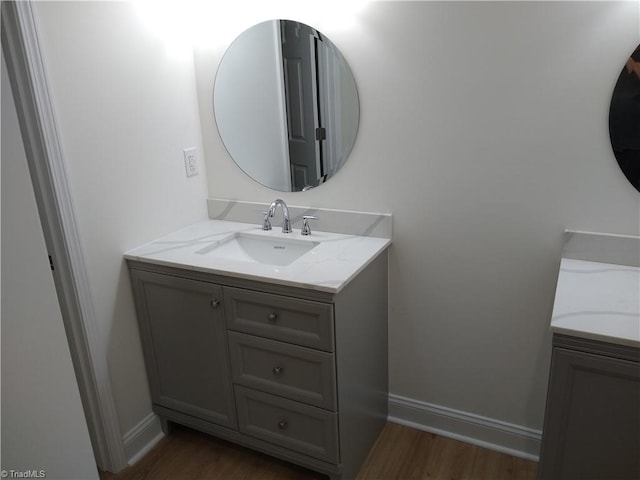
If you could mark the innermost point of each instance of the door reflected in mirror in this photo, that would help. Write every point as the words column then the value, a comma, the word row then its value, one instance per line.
column 286, row 105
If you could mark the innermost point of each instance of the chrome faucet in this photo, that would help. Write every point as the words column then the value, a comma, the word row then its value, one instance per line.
column 286, row 223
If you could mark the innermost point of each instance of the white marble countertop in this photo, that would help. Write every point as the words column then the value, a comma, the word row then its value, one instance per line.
column 328, row 267
column 599, row 301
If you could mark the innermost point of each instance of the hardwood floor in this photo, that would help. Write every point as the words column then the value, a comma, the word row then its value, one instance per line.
column 405, row 453
column 401, row 453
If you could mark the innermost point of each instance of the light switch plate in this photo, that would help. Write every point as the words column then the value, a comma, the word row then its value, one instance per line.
column 191, row 161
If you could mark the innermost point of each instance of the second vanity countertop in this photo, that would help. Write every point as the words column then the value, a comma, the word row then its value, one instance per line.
column 328, row 267
column 596, row 300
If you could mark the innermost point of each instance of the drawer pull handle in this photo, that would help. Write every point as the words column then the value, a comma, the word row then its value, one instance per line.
column 215, row 303
column 278, row 371
column 282, row 424
column 273, row 316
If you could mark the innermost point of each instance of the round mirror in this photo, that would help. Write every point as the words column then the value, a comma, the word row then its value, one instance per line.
column 286, row 105
column 624, row 119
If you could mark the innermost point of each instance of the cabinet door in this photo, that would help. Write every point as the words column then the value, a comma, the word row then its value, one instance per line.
column 184, row 341
column 592, row 424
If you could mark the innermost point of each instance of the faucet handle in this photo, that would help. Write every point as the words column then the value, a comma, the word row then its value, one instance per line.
column 266, row 223
column 306, row 229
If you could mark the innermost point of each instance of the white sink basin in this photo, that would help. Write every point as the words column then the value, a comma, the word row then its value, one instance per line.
column 258, row 248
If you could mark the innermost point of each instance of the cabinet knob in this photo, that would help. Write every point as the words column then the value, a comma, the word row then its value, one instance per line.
column 215, row 303
column 278, row 371
column 282, row 424
column 273, row 316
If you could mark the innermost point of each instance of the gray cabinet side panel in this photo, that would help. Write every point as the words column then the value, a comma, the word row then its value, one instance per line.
column 361, row 324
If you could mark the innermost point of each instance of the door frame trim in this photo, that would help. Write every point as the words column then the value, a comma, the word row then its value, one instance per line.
column 47, row 167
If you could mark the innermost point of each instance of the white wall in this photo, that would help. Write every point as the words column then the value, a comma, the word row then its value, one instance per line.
column 484, row 131
column 125, row 109
column 43, row 424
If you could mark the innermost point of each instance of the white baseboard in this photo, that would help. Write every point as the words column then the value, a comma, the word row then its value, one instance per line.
column 142, row 438
column 485, row 432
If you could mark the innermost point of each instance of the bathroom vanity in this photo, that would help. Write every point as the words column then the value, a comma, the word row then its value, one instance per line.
column 289, row 359
column 592, row 421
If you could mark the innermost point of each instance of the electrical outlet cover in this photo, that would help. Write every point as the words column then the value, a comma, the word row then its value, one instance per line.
column 191, row 161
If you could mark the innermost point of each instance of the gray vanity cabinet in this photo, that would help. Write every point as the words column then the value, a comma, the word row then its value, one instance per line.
column 296, row 373
column 185, row 345
column 592, row 422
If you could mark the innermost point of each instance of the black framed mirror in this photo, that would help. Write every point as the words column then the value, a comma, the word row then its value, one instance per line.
column 286, row 105
column 624, row 119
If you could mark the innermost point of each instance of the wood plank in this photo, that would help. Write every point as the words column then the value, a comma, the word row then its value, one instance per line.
column 400, row 452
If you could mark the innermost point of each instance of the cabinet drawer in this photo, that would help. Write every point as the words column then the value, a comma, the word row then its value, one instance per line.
column 302, row 322
column 305, row 429
column 290, row 371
